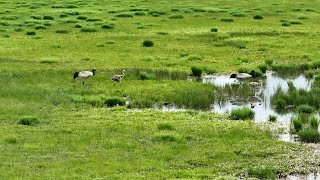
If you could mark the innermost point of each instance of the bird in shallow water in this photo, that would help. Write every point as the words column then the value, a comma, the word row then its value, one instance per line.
column 256, row 84
column 241, row 76
column 117, row 78
column 84, row 74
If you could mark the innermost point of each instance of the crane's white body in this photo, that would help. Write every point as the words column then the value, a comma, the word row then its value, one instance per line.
column 84, row 74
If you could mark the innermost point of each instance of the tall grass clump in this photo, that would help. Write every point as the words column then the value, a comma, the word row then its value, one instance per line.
column 314, row 123
column 196, row 71
column 297, row 124
column 165, row 126
column 48, row 18
column 115, row 101
column 304, row 108
column 309, row 135
column 167, row 137
column 316, row 64
column 124, row 15
column 309, row 74
column 62, row 31
column 268, row 62
column 214, row 29
column 227, row 20
column 262, row 172
column 242, row 114
column 28, row 120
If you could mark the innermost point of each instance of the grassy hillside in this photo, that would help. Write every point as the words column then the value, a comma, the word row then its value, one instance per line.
column 53, row 126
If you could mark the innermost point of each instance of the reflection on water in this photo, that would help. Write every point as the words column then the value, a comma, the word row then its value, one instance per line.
column 261, row 103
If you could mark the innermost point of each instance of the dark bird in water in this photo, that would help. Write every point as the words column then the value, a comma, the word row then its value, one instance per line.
column 117, row 78
column 84, row 74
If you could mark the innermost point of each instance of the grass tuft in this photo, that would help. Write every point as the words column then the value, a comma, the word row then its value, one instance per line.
column 309, row 135
column 262, row 172
column 28, row 120
column 241, row 114
column 148, row 43
column 165, row 126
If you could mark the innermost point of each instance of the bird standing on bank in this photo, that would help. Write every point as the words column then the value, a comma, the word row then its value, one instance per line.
column 117, row 78
column 84, row 74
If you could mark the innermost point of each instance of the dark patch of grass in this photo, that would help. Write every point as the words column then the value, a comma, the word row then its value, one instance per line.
column 309, row 74
column 268, row 62
column 309, row 135
column 316, row 64
column 31, row 33
column 62, row 31
column 290, row 69
column 148, row 43
column 140, row 13
column 93, row 19
column 51, row 18
column 214, row 29
column 196, row 71
column 257, row 17
column 48, row 61
column 36, row 17
column 241, row 114
column 176, row 16
column 167, row 137
column 227, row 20
column 18, row 29
column 39, row 27
column 165, row 126
column 147, row 76
column 71, row 13
column 295, row 22
column 124, row 15
column 78, row 26
column 238, row 14
column 162, row 33
column 107, row 26
column 28, row 120
column 286, row 24
column 237, row 44
column 262, row 172
column 195, row 58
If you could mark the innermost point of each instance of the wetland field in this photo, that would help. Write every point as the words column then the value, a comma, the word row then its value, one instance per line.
column 176, row 113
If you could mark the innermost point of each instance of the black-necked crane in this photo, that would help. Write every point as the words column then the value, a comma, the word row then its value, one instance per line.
column 84, row 74
column 117, row 78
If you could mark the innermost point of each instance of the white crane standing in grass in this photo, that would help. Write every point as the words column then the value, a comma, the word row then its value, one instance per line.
column 84, row 74
column 117, row 78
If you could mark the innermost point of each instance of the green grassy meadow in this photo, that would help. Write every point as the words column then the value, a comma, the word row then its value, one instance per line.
column 42, row 44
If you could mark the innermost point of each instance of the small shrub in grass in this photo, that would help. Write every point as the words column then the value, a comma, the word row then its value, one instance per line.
column 263, row 68
column 107, row 26
column 18, row 29
column 258, row 17
column 147, row 43
column 115, row 101
column 124, row 15
column 214, row 29
column 304, row 108
column 227, row 20
column 317, row 78
column 28, row 120
column 88, row 29
column 297, row 124
column 31, row 33
column 93, row 19
column 48, row 18
column 62, row 31
column 242, row 114
column 36, row 17
column 196, row 71
column 110, row 42
column 175, row 16
column 309, row 135
column 47, row 24
column 262, row 172
column 243, row 70
column 195, row 58
column 165, row 126
column 314, row 122
column 272, row 118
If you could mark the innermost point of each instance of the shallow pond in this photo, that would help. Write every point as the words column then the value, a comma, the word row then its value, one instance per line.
column 260, row 99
